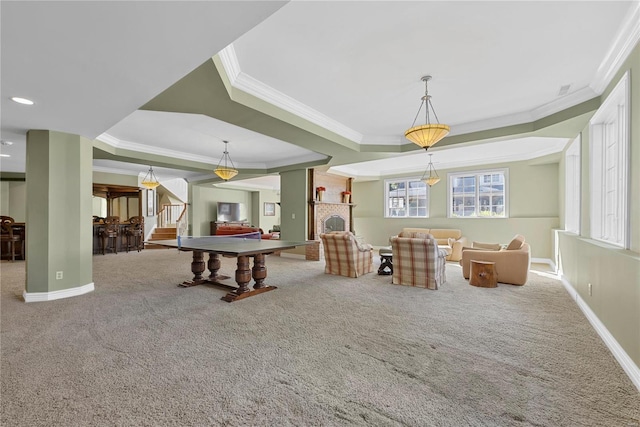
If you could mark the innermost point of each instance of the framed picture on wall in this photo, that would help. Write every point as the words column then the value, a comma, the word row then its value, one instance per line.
column 151, row 197
column 269, row 209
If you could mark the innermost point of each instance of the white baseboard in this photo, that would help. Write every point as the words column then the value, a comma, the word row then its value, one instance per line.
column 629, row 367
column 544, row 261
column 53, row 295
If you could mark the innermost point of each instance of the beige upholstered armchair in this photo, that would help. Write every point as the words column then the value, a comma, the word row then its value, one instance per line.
column 345, row 255
column 417, row 260
column 512, row 263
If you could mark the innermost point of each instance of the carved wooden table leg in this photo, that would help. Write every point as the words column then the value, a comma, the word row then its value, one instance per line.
column 243, row 277
column 259, row 271
column 197, row 268
column 214, row 265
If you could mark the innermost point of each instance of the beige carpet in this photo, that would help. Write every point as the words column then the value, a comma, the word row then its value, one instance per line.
column 319, row 350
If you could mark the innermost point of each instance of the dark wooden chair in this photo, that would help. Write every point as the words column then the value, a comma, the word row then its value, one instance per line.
column 135, row 233
column 8, row 236
column 110, row 232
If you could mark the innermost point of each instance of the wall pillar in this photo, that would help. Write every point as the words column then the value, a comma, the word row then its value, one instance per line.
column 293, row 205
column 59, row 216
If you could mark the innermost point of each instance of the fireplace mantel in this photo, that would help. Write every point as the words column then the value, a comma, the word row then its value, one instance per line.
column 316, row 202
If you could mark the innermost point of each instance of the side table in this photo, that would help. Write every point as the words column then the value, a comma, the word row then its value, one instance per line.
column 386, row 262
column 483, row 274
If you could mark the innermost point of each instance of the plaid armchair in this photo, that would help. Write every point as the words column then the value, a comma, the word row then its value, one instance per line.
column 417, row 261
column 345, row 255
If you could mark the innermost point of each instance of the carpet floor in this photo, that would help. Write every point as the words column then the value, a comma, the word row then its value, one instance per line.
column 320, row 350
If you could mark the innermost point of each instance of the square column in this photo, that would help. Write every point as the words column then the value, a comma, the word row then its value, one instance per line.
column 59, row 177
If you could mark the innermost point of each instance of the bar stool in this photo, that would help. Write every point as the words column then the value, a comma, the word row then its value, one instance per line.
column 110, row 231
column 135, row 233
column 7, row 235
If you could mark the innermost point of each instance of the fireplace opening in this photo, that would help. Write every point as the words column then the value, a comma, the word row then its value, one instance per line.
column 334, row 223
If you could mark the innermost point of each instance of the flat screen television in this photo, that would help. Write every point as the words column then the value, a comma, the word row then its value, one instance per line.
column 231, row 212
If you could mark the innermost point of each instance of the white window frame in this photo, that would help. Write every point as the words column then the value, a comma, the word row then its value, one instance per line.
column 573, row 186
column 609, row 167
column 406, row 180
column 452, row 175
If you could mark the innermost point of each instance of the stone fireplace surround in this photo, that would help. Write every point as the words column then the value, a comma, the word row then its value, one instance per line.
column 330, row 206
column 324, row 211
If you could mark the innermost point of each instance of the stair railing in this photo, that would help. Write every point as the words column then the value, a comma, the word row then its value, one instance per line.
column 182, row 224
column 169, row 214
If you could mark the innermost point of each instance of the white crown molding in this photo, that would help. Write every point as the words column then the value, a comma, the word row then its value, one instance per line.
column 149, row 149
column 252, row 86
column 627, row 38
column 409, row 167
column 133, row 146
column 54, row 295
column 559, row 104
column 562, row 103
column 230, row 63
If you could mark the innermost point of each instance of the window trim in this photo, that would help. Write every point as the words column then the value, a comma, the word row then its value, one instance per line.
column 386, row 197
column 573, row 151
column 452, row 175
column 618, row 98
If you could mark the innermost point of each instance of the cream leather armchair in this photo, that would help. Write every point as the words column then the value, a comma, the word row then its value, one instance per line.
column 512, row 263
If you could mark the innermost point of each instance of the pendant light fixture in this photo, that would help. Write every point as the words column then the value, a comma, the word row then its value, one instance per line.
column 428, row 134
column 433, row 177
column 226, row 172
column 150, row 181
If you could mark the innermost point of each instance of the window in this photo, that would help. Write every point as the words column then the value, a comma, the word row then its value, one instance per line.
column 609, row 172
column 481, row 194
column 572, row 187
column 406, row 198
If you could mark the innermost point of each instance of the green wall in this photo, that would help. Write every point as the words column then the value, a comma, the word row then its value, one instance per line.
column 13, row 200
column 58, row 171
column 115, row 179
column 258, row 199
column 294, row 201
column 204, row 199
column 614, row 273
column 533, row 209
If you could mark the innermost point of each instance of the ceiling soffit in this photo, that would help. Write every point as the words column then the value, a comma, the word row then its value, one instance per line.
column 248, row 89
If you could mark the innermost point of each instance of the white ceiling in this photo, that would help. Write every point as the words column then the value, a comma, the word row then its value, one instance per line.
column 352, row 67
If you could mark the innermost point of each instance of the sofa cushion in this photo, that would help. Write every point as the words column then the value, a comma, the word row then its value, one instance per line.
column 445, row 233
column 415, row 235
column 486, row 246
column 516, row 242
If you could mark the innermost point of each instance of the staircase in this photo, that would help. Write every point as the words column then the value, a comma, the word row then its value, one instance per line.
column 161, row 233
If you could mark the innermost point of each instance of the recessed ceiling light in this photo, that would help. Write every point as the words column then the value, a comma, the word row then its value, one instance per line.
column 5, row 155
column 6, row 143
column 19, row 100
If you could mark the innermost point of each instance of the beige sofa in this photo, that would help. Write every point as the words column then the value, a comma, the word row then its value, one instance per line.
column 449, row 239
column 512, row 263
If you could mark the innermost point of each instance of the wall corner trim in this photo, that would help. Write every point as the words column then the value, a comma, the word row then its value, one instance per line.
column 629, row 367
column 64, row 293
